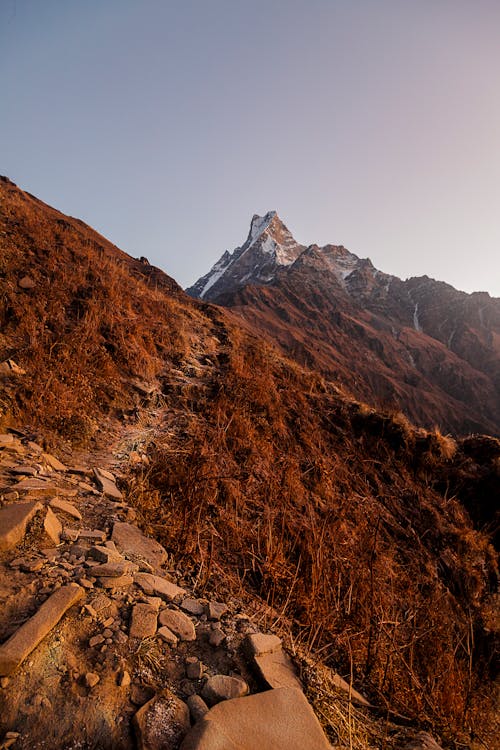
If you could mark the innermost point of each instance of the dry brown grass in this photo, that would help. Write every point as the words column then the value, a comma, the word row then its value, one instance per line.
column 326, row 514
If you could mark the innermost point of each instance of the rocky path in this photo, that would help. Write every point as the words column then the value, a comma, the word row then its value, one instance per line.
column 104, row 644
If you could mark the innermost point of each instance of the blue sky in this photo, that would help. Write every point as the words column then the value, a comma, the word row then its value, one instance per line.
column 166, row 125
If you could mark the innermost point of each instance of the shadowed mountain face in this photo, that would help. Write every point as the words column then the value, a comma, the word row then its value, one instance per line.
column 418, row 345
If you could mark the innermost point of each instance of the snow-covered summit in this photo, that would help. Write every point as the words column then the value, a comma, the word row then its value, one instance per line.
column 268, row 246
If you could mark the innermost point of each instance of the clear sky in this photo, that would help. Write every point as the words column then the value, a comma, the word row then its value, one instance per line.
column 165, row 124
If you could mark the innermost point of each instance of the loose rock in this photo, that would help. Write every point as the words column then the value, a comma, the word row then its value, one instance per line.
column 222, row 688
column 162, row 723
column 144, row 620
column 178, row 623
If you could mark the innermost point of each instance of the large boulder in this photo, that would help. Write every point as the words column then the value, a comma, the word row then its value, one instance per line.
column 280, row 718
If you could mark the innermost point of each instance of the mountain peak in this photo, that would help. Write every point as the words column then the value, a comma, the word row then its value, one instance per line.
column 269, row 245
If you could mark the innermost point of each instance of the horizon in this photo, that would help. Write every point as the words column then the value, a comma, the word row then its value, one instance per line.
column 166, row 128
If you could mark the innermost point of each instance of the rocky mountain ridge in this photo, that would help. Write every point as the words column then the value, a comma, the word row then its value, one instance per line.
column 419, row 345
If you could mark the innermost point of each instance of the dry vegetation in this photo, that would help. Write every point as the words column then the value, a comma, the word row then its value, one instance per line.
column 282, row 489
column 265, row 480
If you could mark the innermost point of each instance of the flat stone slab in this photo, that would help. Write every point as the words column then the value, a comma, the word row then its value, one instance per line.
column 158, row 586
column 112, row 569
column 131, row 541
column 178, row 623
column 13, row 521
column 106, row 483
column 52, row 526
column 92, row 535
column 53, row 462
column 57, row 503
column 28, row 636
column 277, row 670
column 144, row 621
column 257, row 644
column 279, row 718
column 162, row 722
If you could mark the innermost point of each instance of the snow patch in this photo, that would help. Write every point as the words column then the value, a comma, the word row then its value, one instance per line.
column 416, row 322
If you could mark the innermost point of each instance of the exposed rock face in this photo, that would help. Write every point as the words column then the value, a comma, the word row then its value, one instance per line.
column 419, row 345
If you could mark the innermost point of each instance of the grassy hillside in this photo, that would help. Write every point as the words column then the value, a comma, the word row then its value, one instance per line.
column 369, row 540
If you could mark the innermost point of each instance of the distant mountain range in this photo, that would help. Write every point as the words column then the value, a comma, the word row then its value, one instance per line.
column 418, row 345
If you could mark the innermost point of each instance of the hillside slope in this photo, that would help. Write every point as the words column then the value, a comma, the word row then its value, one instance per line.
column 367, row 540
column 418, row 345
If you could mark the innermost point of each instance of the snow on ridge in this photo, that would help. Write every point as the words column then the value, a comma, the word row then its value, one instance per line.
column 259, row 225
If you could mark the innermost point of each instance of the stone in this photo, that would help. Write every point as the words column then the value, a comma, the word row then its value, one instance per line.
column 105, row 554
column 192, row 606
column 130, row 540
column 69, row 535
column 194, row 668
column 112, row 569
column 124, row 679
column 161, row 723
column 216, row 637
column 197, row 707
column 26, row 283
column 178, row 623
column 274, row 719
column 24, row 469
column 167, row 636
column 52, row 526
column 53, row 462
column 13, row 522
column 158, row 586
column 92, row 535
column 106, row 483
column 34, row 447
column 144, row 621
column 28, row 636
column 257, row 644
column 36, row 485
column 116, row 582
column 277, row 670
column 91, row 679
column 221, row 687
column 6, row 439
column 33, row 566
column 96, row 640
column 66, row 507
column 216, row 610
